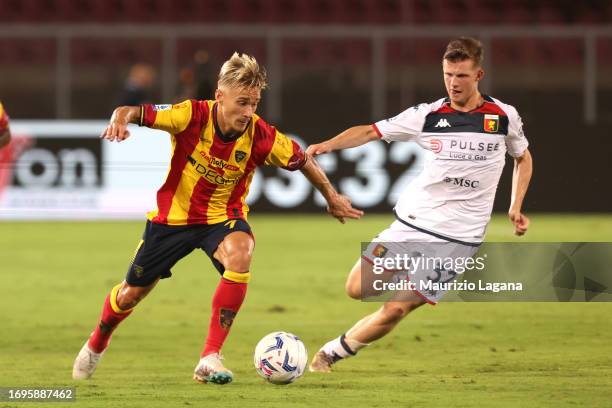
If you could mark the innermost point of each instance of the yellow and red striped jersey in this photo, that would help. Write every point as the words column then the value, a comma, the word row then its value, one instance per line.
column 209, row 175
column 4, row 119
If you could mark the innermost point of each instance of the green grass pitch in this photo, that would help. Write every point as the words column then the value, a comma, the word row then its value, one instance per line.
column 55, row 276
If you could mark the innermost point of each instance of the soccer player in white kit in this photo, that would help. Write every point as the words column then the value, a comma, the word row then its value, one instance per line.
column 451, row 200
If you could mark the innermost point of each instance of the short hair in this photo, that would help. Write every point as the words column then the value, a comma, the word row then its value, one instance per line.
column 242, row 71
column 464, row 48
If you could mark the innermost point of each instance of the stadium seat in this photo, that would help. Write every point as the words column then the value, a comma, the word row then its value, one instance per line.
column 309, row 11
column 604, row 51
column 421, row 12
column 353, row 11
column 449, row 12
column 27, row 51
column 484, row 12
column 399, row 52
column 385, row 12
column 549, row 15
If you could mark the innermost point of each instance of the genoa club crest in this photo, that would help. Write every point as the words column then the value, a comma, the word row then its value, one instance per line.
column 379, row 251
column 491, row 123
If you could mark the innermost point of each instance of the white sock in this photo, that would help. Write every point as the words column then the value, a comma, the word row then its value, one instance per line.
column 341, row 347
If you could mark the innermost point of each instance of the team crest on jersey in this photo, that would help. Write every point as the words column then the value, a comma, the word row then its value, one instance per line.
column 239, row 156
column 380, row 251
column 161, row 107
column 226, row 318
column 491, row 123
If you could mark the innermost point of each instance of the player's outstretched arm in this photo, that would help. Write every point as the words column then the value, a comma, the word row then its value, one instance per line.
column 338, row 205
column 521, row 176
column 117, row 126
column 5, row 137
column 352, row 137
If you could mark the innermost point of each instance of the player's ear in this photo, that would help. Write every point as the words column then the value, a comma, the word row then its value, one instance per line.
column 479, row 74
column 218, row 94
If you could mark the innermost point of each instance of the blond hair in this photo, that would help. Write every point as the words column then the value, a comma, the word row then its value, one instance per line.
column 242, row 71
column 465, row 48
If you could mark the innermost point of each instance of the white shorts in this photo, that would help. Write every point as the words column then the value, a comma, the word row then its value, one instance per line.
column 427, row 276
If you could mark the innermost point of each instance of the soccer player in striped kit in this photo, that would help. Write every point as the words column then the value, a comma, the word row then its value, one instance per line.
column 216, row 147
column 448, row 206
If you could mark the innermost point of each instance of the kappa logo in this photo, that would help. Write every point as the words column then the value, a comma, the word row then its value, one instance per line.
column 443, row 123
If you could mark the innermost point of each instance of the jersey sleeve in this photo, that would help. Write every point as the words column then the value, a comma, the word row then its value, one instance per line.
column 516, row 142
column 170, row 118
column 285, row 153
column 404, row 127
column 4, row 119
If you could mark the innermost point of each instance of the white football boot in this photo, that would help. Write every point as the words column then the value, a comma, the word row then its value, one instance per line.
column 85, row 363
column 211, row 369
column 322, row 362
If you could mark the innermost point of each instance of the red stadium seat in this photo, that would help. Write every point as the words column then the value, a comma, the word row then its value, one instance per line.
column 604, row 51
column 385, row 11
column 549, row 15
column 353, row 11
column 422, row 12
column 309, row 11
column 449, row 12
column 485, row 12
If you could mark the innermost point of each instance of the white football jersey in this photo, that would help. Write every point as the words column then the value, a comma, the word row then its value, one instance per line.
column 453, row 196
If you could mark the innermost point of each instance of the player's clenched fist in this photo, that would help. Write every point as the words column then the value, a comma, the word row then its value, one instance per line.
column 520, row 221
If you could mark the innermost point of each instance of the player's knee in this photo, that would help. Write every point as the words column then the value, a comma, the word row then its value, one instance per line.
column 394, row 312
column 353, row 289
column 129, row 296
column 238, row 261
column 353, row 282
column 126, row 300
column 235, row 252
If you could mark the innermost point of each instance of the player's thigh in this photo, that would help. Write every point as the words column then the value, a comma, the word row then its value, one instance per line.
column 360, row 283
column 353, row 281
column 160, row 248
column 402, row 303
column 235, row 251
column 229, row 245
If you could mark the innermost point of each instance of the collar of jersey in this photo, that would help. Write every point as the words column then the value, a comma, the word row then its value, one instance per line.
column 485, row 99
column 226, row 139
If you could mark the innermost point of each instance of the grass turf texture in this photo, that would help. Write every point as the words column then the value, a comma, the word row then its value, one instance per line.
column 56, row 275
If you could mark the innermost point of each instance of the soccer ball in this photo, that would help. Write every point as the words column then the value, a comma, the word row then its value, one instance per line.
column 280, row 358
